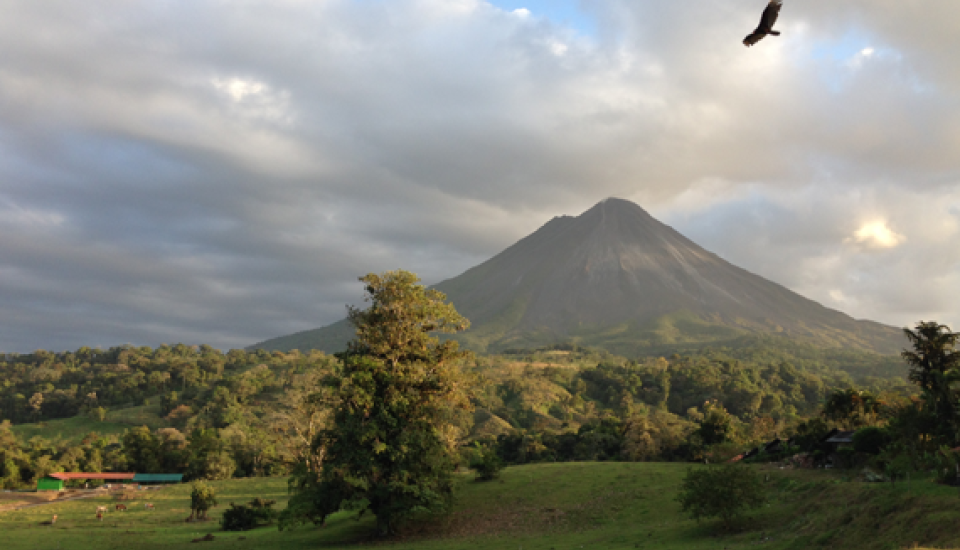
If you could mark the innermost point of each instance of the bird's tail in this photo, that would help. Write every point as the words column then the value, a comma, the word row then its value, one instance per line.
column 774, row 33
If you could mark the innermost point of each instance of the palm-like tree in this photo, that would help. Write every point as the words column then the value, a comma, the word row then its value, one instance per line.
column 935, row 366
column 852, row 408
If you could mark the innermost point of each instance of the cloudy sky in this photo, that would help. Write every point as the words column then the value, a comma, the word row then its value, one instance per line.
column 221, row 172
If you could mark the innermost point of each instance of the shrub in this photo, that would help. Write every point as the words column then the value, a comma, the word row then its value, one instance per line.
column 898, row 468
column 486, row 463
column 723, row 492
column 242, row 517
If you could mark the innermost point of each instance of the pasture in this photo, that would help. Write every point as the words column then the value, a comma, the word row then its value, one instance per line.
column 538, row 507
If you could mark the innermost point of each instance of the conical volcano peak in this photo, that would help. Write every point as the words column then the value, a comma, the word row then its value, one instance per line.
column 613, row 208
column 623, row 214
column 615, row 277
column 626, row 228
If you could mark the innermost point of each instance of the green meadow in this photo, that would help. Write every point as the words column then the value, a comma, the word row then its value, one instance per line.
column 539, row 507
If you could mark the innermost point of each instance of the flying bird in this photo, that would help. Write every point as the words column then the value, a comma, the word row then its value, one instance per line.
column 765, row 27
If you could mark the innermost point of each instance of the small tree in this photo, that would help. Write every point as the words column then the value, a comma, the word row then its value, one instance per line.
column 725, row 492
column 202, row 498
column 97, row 413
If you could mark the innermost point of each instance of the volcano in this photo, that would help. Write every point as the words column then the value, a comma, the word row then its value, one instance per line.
column 616, row 278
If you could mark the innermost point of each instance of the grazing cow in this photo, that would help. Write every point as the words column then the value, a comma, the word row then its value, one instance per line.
column 148, row 506
column 121, row 507
column 101, row 509
column 50, row 522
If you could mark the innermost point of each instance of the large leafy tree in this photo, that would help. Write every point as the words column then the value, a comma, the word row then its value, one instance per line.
column 935, row 366
column 391, row 445
column 142, row 450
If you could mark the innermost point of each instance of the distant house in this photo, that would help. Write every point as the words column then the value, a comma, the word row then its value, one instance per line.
column 835, row 442
column 840, row 439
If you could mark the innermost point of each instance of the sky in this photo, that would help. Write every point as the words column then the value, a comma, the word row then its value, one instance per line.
column 222, row 172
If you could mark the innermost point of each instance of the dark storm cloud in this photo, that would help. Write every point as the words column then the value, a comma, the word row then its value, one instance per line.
column 221, row 172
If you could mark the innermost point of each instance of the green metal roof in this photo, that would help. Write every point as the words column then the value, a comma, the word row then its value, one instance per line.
column 158, row 478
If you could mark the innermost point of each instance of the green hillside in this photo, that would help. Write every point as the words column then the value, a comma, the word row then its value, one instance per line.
column 330, row 339
column 679, row 332
column 539, row 507
column 74, row 429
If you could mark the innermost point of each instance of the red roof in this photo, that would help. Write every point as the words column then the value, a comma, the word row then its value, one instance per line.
column 64, row 476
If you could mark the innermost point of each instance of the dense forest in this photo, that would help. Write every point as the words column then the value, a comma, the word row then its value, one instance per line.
column 245, row 413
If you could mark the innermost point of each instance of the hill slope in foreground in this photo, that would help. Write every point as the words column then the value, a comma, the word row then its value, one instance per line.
column 539, row 507
column 616, row 278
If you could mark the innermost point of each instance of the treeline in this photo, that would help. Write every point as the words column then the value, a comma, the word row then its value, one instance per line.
column 762, row 391
column 44, row 385
column 203, row 454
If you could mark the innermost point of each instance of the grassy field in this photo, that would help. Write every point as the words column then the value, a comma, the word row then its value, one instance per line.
column 74, row 429
column 540, row 507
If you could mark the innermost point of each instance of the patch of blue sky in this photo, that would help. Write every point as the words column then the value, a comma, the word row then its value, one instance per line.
column 853, row 42
column 566, row 13
column 838, row 60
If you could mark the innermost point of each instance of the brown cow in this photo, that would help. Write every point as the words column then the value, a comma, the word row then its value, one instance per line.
column 121, row 507
column 99, row 515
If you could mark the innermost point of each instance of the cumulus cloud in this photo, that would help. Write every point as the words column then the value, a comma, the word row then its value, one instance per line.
column 222, row 173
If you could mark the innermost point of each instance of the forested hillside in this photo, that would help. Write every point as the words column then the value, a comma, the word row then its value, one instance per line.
column 213, row 414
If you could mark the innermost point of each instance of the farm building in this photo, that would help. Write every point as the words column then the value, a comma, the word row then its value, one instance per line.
column 157, row 478
column 56, row 481
column 837, row 442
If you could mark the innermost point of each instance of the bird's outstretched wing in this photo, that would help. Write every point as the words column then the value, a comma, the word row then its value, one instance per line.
column 753, row 38
column 767, row 20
